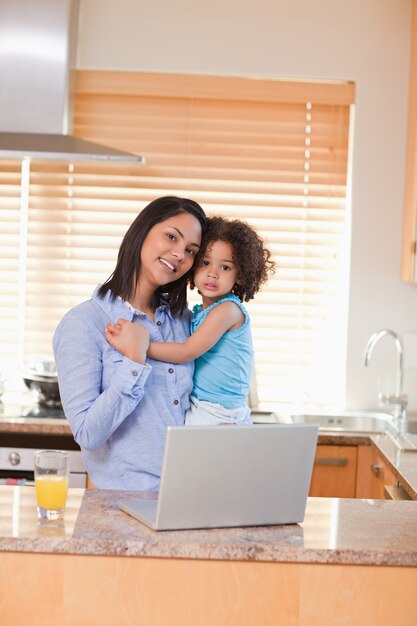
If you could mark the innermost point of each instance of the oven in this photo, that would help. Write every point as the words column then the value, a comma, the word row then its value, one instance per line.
column 17, row 447
column 16, row 467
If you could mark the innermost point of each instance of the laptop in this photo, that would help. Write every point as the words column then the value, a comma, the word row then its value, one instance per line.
column 223, row 476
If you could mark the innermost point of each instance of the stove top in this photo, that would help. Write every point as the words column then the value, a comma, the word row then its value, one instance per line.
column 38, row 410
column 9, row 410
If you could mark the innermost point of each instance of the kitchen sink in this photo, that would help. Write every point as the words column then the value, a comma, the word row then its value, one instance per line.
column 351, row 421
column 264, row 417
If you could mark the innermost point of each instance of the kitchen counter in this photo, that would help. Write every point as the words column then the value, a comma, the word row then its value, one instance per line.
column 342, row 531
column 35, row 426
column 352, row 560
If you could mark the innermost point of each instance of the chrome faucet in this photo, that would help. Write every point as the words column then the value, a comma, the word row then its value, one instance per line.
column 399, row 399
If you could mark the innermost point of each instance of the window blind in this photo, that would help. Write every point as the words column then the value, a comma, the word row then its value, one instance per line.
column 10, row 343
column 273, row 153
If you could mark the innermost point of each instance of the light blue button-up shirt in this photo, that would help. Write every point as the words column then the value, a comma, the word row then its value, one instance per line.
column 118, row 409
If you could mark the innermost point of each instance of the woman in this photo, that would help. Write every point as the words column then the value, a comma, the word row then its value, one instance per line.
column 119, row 406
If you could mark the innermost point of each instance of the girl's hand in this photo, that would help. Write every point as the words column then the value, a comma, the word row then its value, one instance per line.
column 128, row 338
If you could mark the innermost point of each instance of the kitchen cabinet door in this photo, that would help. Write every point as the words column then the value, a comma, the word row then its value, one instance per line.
column 373, row 475
column 334, row 472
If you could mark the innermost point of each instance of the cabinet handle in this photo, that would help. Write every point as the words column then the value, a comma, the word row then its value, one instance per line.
column 330, row 461
column 378, row 470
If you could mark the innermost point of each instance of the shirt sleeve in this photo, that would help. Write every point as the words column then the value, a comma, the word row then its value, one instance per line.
column 94, row 414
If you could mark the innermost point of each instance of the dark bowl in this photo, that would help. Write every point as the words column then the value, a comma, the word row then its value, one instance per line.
column 45, row 386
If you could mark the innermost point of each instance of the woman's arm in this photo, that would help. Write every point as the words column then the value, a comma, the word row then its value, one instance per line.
column 81, row 355
column 222, row 318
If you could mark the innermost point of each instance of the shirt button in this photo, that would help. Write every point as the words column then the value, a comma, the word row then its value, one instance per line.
column 171, row 371
column 175, row 401
column 158, row 323
column 134, row 372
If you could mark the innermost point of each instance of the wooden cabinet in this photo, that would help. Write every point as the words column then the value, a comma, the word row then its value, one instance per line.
column 334, row 472
column 342, row 471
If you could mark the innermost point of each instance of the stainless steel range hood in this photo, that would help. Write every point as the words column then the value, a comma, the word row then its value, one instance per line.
column 38, row 41
column 59, row 147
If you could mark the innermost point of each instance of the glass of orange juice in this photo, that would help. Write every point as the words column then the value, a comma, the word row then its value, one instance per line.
column 51, row 482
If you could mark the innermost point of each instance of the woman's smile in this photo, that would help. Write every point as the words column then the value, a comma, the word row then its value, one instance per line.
column 168, row 265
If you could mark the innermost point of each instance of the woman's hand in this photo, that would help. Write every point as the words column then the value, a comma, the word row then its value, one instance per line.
column 128, row 338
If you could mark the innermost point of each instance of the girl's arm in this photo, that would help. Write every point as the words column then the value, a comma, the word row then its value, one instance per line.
column 128, row 338
column 221, row 319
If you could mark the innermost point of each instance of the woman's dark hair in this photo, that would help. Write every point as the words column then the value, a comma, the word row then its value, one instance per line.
column 251, row 257
column 122, row 281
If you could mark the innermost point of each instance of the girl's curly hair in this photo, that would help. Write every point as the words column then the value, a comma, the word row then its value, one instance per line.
column 251, row 257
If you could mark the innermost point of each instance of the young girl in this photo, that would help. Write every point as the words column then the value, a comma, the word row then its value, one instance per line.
column 231, row 266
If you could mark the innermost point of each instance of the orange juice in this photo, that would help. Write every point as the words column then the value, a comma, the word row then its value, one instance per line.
column 51, row 491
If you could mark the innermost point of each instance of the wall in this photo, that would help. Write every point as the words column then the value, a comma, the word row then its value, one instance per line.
column 367, row 41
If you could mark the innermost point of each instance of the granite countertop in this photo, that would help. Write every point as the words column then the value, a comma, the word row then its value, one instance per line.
column 342, row 531
column 52, row 426
column 35, row 426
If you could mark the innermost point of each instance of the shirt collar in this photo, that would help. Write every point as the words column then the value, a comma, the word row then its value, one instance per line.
column 162, row 308
column 115, row 308
column 131, row 307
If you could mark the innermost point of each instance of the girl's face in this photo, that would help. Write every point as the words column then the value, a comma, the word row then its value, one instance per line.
column 169, row 250
column 216, row 274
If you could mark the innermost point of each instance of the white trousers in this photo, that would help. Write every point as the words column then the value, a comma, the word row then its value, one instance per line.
column 206, row 413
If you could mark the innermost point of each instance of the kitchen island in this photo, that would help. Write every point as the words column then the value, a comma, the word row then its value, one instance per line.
column 350, row 562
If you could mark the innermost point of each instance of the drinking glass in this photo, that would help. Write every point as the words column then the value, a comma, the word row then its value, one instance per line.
column 51, row 482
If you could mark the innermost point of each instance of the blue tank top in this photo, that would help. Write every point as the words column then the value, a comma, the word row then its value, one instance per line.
column 222, row 374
